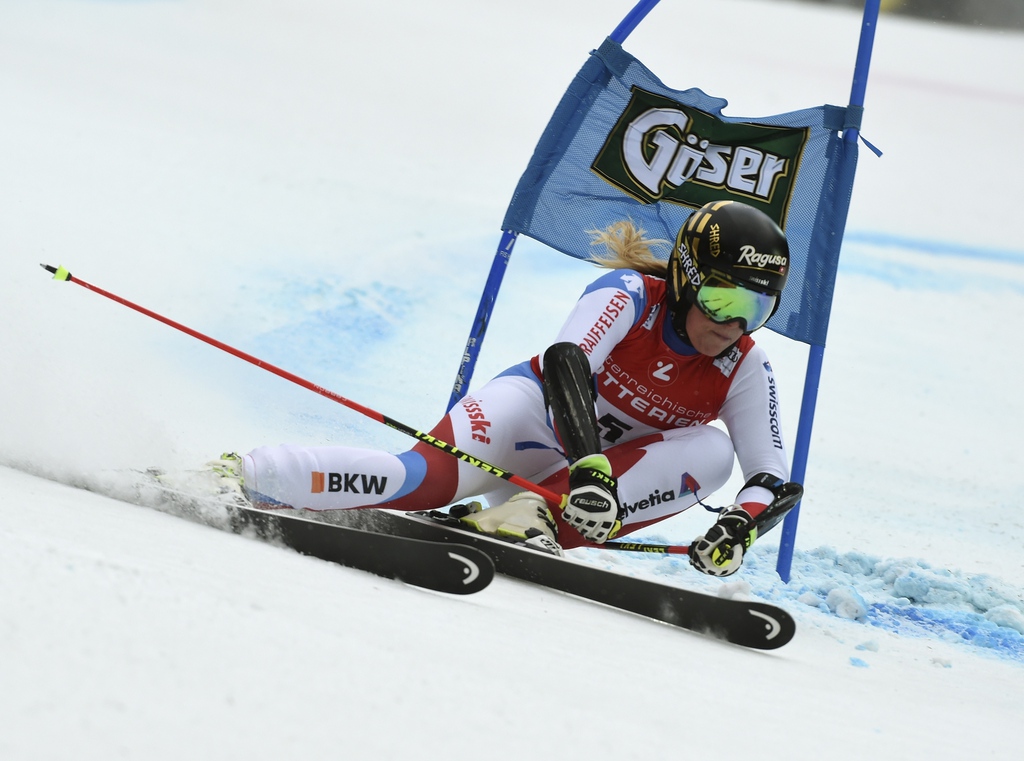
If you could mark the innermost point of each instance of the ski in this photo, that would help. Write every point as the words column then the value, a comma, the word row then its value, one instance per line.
column 433, row 550
column 455, row 568
column 210, row 498
column 750, row 624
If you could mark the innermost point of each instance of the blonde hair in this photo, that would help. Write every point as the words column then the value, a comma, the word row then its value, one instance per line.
column 626, row 248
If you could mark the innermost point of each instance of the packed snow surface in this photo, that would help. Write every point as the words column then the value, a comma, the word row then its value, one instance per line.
column 320, row 184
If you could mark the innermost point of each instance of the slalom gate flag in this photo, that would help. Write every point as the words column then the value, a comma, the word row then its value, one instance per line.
column 621, row 145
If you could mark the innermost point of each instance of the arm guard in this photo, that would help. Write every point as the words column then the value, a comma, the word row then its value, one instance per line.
column 787, row 494
column 569, row 393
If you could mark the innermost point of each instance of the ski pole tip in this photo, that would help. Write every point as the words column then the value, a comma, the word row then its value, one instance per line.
column 58, row 272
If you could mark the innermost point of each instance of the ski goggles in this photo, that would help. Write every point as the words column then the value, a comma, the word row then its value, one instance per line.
column 722, row 301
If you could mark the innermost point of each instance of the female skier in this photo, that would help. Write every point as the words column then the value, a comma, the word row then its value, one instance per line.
column 614, row 413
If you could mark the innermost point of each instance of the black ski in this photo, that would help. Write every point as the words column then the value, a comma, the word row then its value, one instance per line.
column 442, row 566
column 212, row 499
column 751, row 624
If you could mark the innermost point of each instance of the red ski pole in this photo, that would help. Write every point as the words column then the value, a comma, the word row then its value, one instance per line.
column 650, row 549
column 556, row 500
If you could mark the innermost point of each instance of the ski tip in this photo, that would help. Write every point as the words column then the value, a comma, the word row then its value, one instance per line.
column 770, row 629
column 477, row 569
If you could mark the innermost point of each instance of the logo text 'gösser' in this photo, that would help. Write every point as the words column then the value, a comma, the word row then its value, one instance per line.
column 661, row 150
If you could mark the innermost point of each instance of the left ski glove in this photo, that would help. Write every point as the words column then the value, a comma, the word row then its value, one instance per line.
column 720, row 551
column 593, row 506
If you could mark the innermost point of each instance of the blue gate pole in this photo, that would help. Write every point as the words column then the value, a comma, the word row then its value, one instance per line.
column 632, row 20
column 508, row 241
column 483, row 316
column 816, row 354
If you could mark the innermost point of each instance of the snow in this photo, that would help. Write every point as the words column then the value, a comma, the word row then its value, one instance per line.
column 320, row 184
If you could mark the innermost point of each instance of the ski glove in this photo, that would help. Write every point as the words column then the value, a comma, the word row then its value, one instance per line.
column 720, row 551
column 592, row 507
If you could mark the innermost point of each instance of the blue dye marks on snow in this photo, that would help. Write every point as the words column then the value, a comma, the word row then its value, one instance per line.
column 949, row 626
column 861, row 664
column 934, row 247
column 905, row 596
column 909, row 597
column 328, row 328
column 931, row 265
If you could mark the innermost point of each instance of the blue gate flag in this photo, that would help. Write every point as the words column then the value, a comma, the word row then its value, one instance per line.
column 622, row 145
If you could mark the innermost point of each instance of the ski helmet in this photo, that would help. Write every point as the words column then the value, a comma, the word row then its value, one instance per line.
column 731, row 261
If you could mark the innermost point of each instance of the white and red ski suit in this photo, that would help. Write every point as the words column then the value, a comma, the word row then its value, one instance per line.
column 655, row 398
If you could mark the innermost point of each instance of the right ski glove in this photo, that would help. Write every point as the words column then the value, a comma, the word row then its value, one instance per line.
column 720, row 551
column 593, row 506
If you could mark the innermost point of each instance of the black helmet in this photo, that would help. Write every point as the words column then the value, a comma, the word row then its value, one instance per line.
column 731, row 261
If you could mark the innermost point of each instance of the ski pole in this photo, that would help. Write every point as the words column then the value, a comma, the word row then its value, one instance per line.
column 60, row 273
column 556, row 500
column 787, row 497
column 650, row 549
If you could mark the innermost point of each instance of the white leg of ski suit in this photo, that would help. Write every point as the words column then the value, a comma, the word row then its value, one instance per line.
column 505, row 424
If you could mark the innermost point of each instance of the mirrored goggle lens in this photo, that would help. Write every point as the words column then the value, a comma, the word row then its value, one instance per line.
column 723, row 301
